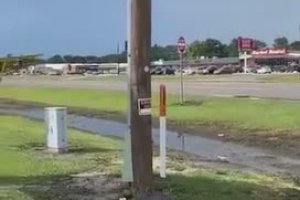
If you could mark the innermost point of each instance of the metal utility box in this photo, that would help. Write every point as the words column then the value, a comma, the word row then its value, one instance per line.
column 56, row 127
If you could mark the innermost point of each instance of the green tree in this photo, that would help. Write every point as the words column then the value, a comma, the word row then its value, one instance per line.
column 214, row 47
column 196, row 49
column 165, row 53
column 68, row 58
column 260, row 44
column 113, row 58
column 208, row 48
column 91, row 59
column 281, row 42
column 79, row 59
column 56, row 59
column 172, row 52
column 232, row 48
column 295, row 46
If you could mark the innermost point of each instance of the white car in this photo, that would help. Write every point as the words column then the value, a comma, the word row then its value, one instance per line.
column 264, row 70
column 189, row 71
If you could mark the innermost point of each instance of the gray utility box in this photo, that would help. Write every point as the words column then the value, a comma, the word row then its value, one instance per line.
column 56, row 127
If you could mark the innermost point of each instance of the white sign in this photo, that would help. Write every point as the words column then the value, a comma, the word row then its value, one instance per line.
column 144, row 106
column 270, row 52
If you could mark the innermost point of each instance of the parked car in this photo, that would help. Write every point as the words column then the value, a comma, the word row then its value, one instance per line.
column 210, row 69
column 189, row 71
column 264, row 70
column 156, row 71
column 54, row 73
column 250, row 69
column 227, row 69
column 200, row 70
column 168, row 71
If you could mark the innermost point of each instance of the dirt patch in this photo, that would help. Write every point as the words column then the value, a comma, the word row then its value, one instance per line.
column 88, row 186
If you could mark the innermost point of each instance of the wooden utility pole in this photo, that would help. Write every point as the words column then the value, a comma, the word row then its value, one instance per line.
column 140, row 92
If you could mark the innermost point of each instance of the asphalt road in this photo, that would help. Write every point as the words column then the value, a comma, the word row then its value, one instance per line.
column 223, row 86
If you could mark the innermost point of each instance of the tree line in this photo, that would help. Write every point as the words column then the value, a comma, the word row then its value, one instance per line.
column 197, row 49
column 157, row 52
column 213, row 47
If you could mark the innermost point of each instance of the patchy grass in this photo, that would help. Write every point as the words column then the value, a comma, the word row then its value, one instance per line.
column 93, row 99
column 28, row 173
column 207, row 184
column 188, row 179
column 23, row 160
column 237, row 113
column 281, row 78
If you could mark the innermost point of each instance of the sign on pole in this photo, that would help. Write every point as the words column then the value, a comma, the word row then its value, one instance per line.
column 144, row 105
column 181, row 47
column 244, row 45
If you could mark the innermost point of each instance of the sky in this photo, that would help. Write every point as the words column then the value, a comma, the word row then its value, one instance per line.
column 94, row 27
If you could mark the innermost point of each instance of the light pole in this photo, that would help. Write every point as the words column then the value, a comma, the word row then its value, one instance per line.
column 181, row 47
column 181, row 79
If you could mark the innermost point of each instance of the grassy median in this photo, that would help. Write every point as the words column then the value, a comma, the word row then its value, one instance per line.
column 237, row 113
column 281, row 78
column 29, row 173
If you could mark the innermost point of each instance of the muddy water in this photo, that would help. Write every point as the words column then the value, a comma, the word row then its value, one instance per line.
column 207, row 149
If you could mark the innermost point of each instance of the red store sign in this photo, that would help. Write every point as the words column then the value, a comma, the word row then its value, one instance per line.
column 245, row 44
column 269, row 52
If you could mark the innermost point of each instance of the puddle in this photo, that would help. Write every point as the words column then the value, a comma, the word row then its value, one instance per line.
column 205, row 148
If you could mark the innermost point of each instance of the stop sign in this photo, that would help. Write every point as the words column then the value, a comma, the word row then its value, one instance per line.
column 181, row 45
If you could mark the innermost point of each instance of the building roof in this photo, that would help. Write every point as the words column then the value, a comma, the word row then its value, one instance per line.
column 211, row 61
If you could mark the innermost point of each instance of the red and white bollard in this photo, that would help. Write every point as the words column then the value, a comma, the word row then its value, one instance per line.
column 163, row 128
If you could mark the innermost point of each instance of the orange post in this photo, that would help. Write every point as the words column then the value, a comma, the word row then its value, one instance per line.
column 163, row 100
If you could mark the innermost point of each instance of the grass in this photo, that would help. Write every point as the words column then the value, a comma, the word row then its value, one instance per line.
column 69, row 97
column 281, row 78
column 222, row 182
column 237, row 113
column 21, row 139
column 23, row 162
column 259, row 78
column 25, row 170
column 207, row 184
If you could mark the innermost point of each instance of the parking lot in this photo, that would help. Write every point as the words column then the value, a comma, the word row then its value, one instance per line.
column 222, row 85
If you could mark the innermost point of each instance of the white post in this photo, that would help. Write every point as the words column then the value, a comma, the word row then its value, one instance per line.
column 245, row 62
column 163, row 153
column 163, row 129
column 56, row 123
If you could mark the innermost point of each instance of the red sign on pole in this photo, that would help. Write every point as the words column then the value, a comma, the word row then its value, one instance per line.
column 181, row 45
column 245, row 44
